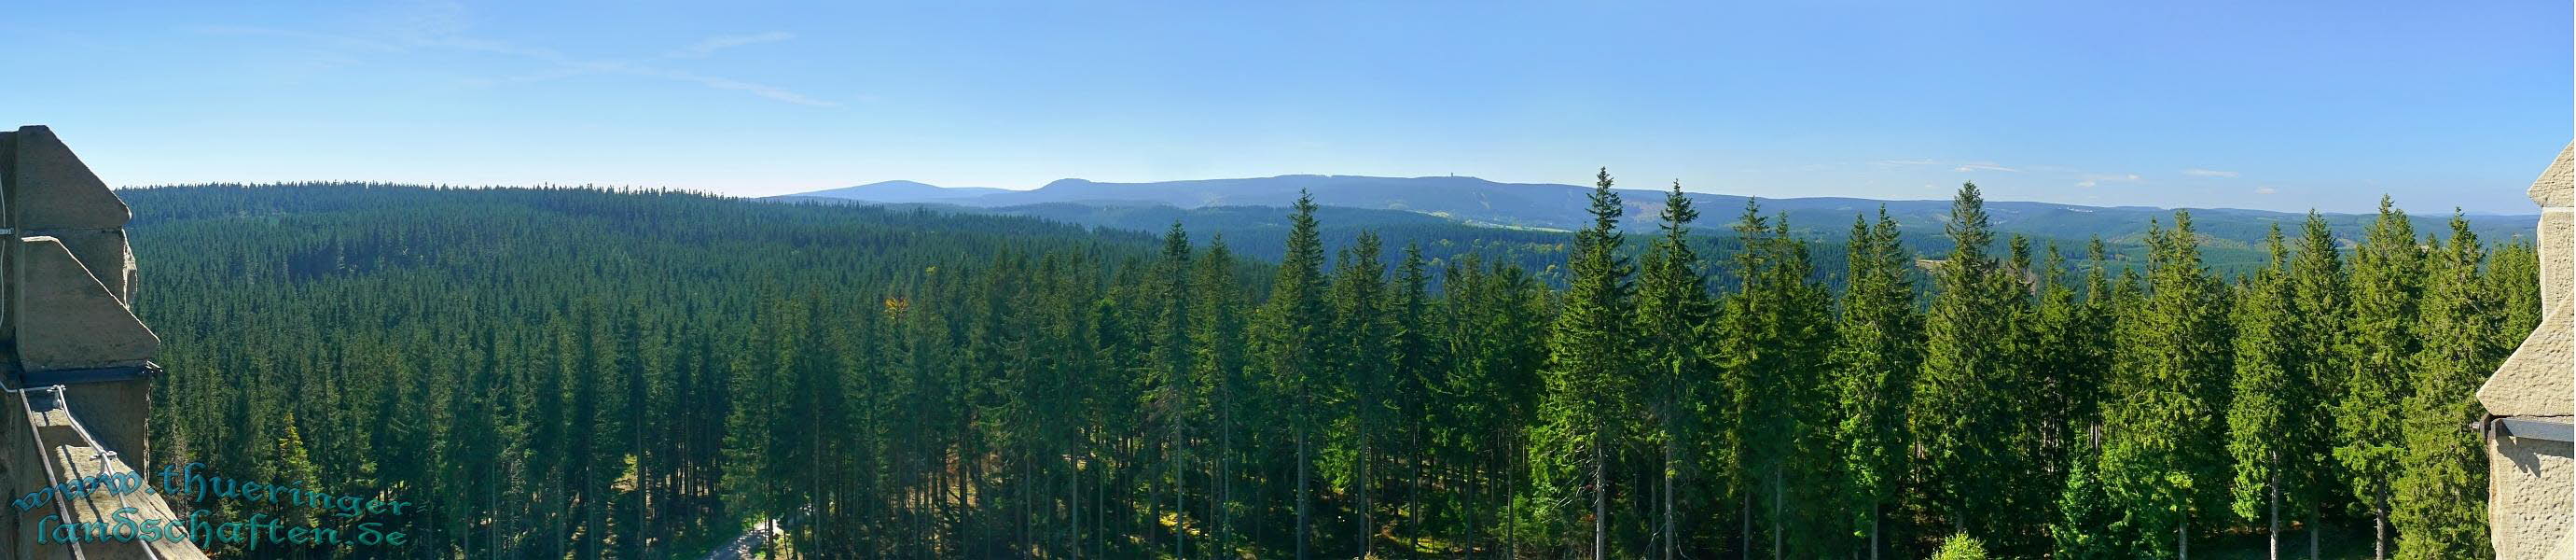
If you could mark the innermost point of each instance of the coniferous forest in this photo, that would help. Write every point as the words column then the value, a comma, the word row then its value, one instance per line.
column 587, row 373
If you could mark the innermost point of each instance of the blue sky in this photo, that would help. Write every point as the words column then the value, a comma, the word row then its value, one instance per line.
column 2277, row 105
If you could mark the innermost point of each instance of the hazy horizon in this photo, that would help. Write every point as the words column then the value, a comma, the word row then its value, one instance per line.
column 1627, row 186
column 2205, row 105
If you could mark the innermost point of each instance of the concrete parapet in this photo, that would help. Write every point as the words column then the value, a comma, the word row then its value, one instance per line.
column 53, row 190
column 67, row 286
column 2528, row 501
column 2531, row 493
column 67, row 318
column 104, row 253
column 29, row 440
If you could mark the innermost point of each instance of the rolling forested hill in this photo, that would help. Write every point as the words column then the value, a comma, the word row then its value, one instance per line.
column 643, row 374
column 1558, row 207
column 1515, row 220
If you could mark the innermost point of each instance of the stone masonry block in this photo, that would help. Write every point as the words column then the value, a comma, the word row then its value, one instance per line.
column 107, row 256
column 2528, row 505
column 67, row 319
column 56, row 191
column 2556, row 187
column 2531, row 492
column 2536, row 381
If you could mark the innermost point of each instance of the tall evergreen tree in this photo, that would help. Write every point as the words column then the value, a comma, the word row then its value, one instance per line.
column 1363, row 355
column 1291, row 351
column 2090, row 342
column 2271, row 433
column 1589, row 382
column 1775, row 336
column 1497, row 347
column 1174, row 398
column 2068, row 345
column 1963, row 409
column 1415, row 371
column 1673, row 308
column 1217, row 335
column 2387, row 281
column 2163, row 450
column 2440, row 507
column 1878, row 344
column 2320, row 300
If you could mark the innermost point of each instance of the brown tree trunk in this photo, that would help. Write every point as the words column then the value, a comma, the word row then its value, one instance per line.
column 1875, row 512
column 2276, row 518
column 1600, row 501
column 2182, row 539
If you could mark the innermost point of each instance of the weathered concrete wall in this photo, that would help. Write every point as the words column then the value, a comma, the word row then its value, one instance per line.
column 67, row 319
column 51, row 193
column 2531, row 496
column 21, row 467
column 67, row 283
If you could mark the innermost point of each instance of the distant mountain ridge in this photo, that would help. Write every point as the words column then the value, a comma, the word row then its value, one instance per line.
column 1550, row 206
column 903, row 191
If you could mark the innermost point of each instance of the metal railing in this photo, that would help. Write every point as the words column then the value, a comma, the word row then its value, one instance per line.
column 37, row 440
column 104, row 456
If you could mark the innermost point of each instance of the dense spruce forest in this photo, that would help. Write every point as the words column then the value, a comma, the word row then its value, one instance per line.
column 580, row 373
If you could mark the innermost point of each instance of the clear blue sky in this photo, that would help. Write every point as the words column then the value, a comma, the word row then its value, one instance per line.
column 2280, row 105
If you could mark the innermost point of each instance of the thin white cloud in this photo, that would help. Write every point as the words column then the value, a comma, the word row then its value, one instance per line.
column 2091, row 181
column 2198, row 172
column 433, row 37
column 2266, row 190
column 710, row 45
column 1962, row 166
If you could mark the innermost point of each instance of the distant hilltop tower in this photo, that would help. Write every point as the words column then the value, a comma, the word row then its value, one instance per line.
column 75, row 361
column 2531, row 476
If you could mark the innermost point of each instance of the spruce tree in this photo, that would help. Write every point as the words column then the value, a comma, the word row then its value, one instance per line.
column 1497, row 348
column 2163, row 449
column 1876, row 349
column 2387, row 275
column 1217, row 334
column 2320, row 300
column 2085, row 513
column 747, row 445
column 1362, row 353
column 2271, row 433
column 2513, row 280
column 2440, row 506
column 2068, row 349
column 295, row 467
column 1291, row 353
column 2090, row 343
column 1775, row 335
column 1673, row 307
column 1416, row 370
column 1173, row 399
column 1963, row 409
column 1589, row 385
